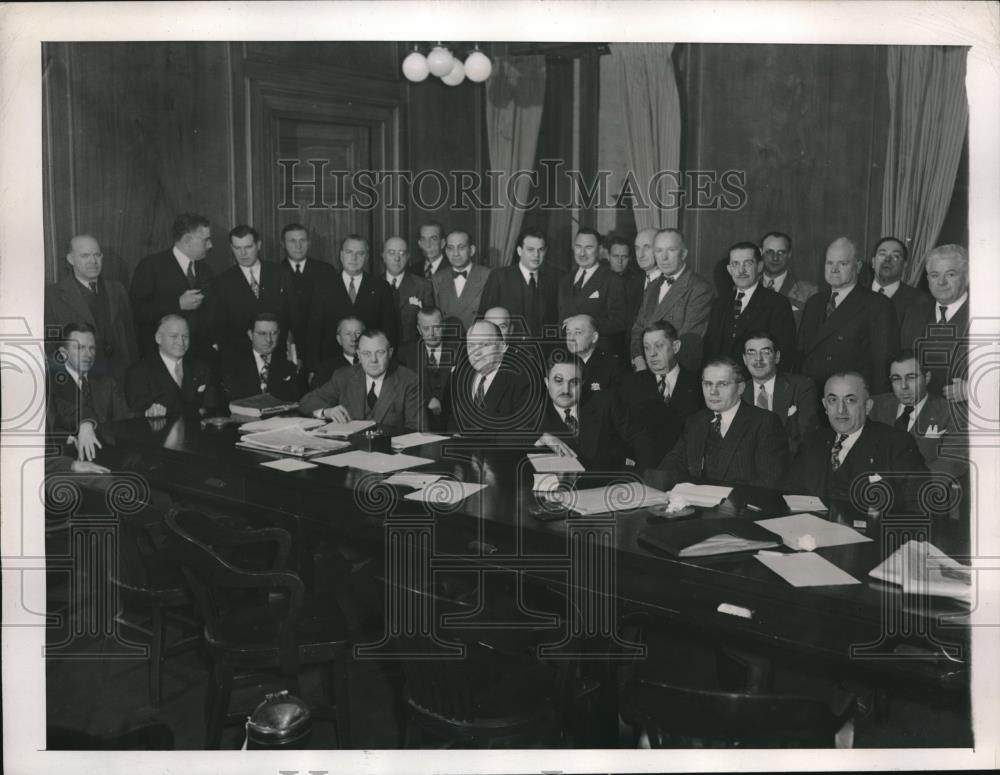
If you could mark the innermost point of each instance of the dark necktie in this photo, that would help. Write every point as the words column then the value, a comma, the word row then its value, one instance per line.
column 190, row 275
column 254, row 285
column 578, row 285
column 352, row 291
column 431, row 360
column 881, row 290
column 532, row 283
column 354, row 359
column 480, row 399
column 463, row 273
column 717, row 424
column 903, row 421
column 738, row 304
column 93, row 287
column 571, row 421
column 762, row 397
column 661, row 386
column 669, row 280
column 265, row 370
column 831, row 305
column 395, row 290
column 372, row 398
column 768, row 282
column 942, row 313
column 428, row 270
column 835, row 451
column 298, row 267
column 86, row 396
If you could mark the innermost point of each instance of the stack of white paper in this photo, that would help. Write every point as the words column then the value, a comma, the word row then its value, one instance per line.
column 804, row 503
column 415, row 440
column 545, row 483
column 341, row 430
column 289, row 441
column 805, row 569
column 615, row 497
column 277, row 423
column 288, row 464
column 921, row 568
column 445, row 492
column 548, row 463
column 379, row 462
column 701, row 495
column 809, row 531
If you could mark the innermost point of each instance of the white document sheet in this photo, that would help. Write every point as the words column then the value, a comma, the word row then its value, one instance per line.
column 545, row 483
column 277, row 423
column 701, row 495
column 445, row 492
column 412, row 479
column 795, row 528
column 288, row 464
column 341, row 430
column 547, row 463
column 923, row 569
column 292, row 441
column 805, row 569
column 378, row 462
column 415, row 440
column 804, row 503
column 616, row 497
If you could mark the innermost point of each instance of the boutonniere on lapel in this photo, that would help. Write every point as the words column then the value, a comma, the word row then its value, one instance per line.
column 792, row 410
column 933, row 432
column 595, row 295
column 795, row 309
column 595, row 386
column 415, row 301
column 201, row 388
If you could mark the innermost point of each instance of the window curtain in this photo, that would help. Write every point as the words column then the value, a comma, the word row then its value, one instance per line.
column 514, row 95
column 928, row 116
column 645, row 76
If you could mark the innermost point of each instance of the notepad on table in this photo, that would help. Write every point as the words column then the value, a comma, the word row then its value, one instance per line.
column 377, row 462
column 795, row 528
column 701, row 495
column 277, row 423
column 445, row 492
column 919, row 567
column 615, row 497
column 545, row 483
column 288, row 464
column 707, row 537
column 546, row 463
column 341, row 430
column 804, row 503
column 289, row 441
column 408, row 440
column 805, row 569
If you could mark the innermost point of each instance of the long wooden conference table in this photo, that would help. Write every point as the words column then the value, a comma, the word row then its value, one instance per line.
column 888, row 639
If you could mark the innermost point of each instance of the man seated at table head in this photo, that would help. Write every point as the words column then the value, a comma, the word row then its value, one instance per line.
column 576, row 428
column 80, row 401
column 729, row 442
column 829, row 460
column 912, row 407
column 262, row 368
column 349, row 332
column 490, row 393
column 168, row 382
column 657, row 400
column 432, row 359
column 378, row 390
column 601, row 369
column 792, row 397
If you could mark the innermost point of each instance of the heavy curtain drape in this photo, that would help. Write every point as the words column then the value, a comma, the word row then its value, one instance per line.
column 645, row 75
column 514, row 96
column 929, row 113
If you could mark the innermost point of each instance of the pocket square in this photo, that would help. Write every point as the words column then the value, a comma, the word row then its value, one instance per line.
column 874, row 478
column 595, row 295
column 287, row 378
column 933, row 432
column 792, row 410
column 201, row 388
column 415, row 301
column 595, row 386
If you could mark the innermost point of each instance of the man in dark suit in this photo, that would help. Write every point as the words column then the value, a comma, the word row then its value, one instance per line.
column 729, row 442
column 358, row 294
column 602, row 370
column 488, row 395
column 681, row 298
column 937, row 330
column 242, row 292
column 375, row 390
column 924, row 415
column 776, row 250
column 431, row 258
column 167, row 382
column 349, row 331
column 655, row 402
column 528, row 290
column 432, row 358
column 888, row 263
column 577, row 428
column 829, row 460
column 84, row 296
column 262, row 368
column 81, row 402
column 750, row 307
column 458, row 289
column 791, row 397
column 848, row 328
column 309, row 283
column 410, row 292
column 593, row 289
column 175, row 282
column 633, row 283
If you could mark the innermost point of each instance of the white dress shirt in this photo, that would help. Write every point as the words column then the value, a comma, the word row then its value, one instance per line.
column 347, row 282
column 848, row 443
column 586, row 274
column 889, row 290
column 394, row 280
column 950, row 309
column 377, row 382
column 842, row 294
column 777, row 281
column 917, row 408
column 526, row 274
column 665, row 286
column 727, row 418
column 672, row 376
column 651, row 277
column 747, row 293
column 435, row 263
column 487, row 381
column 182, row 259
column 251, row 273
column 572, row 413
column 171, row 364
column 768, row 385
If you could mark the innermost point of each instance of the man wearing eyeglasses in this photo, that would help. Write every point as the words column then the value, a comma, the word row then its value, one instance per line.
column 776, row 250
column 748, row 307
column 791, row 397
column 830, row 460
column 376, row 391
column 729, row 442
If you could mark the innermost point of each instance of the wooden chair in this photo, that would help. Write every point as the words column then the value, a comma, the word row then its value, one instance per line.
column 681, row 717
column 258, row 621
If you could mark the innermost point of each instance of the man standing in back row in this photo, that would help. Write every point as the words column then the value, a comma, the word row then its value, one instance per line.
column 459, row 291
column 309, row 282
column 410, row 292
column 779, row 276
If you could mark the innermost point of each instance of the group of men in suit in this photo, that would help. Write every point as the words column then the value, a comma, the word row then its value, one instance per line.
column 640, row 364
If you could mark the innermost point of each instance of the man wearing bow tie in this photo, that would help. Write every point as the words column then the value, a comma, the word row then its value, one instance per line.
column 410, row 292
column 849, row 327
column 458, row 288
column 680, row 297
column 168, row 382
column 830, row 460
column 574, row 428
column 378, row 390
column 593, row 289
column 262, row 369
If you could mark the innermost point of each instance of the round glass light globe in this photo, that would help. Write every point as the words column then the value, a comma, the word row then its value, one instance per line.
column 478, row 66
column 440, row 61
column 415, row 67
column 456, row 76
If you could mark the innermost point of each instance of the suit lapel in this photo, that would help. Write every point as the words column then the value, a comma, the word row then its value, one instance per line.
column 734, row 435
column 782, row 399
column 385, row 398
column 675, row 291
column 844, row 311
column 72, row 294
